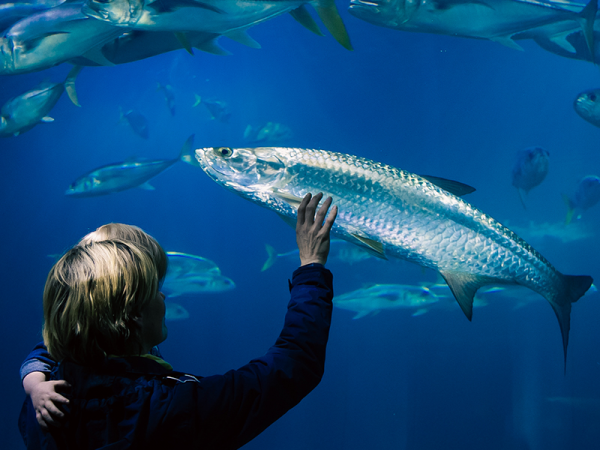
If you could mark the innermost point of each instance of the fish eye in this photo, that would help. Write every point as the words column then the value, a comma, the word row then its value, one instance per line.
column 225, row 151
column 592, row 96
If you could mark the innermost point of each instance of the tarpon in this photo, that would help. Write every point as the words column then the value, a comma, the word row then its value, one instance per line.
column 51, row 37
column 230, row 18
column 394, row 213
column 497, row 20
column 25, row 111
column 121, row 176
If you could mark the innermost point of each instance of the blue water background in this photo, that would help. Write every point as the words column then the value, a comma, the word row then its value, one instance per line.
column 451, row 107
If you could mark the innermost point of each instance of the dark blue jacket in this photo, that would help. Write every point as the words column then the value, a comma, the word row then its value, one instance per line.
column 134, row 402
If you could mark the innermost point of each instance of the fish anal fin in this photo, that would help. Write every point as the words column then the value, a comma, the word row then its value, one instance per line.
column 454, row 187
column 211, row 46
column 305, row 19
column 146, row 186
column 507, row 41
column 361, row 314
column 95, row 54
column 291, row 221
column 464, row 286
column 333, row 22
column 420, row 312
column 184, row 41
column 70, row 84
column 242, row 37
column 373, row 247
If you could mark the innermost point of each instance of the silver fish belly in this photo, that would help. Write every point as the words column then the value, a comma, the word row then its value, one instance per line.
column 395, row 213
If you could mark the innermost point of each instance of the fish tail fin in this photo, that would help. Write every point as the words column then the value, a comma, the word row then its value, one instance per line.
column 303, row 17
column 187, row 154
column 271, row 259
column 570, row 209
column 330, row 16
column 587, row 16
column 575, row 286
column 198, row 100
column 70, row 84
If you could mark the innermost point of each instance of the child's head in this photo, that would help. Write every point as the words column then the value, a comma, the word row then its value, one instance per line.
column 95, row 293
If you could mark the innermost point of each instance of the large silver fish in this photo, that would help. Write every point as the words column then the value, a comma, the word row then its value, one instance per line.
column 230, row 18
column 394, row 213
column 25, row 111
column 497, row 20
column 52, row 37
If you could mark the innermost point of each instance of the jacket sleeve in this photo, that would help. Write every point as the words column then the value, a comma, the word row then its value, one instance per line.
column 39, row 360
column 231, row 409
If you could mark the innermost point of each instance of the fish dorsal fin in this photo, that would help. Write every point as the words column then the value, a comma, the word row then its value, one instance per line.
column 454, row 187
column 305, row 19
column 333, row 22
column 464, row 286
column 290, row 199
column 242, row 37
column 373, row 247
column 184, row 41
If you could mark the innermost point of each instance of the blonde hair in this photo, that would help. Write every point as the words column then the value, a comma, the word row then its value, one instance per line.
column 94, row 293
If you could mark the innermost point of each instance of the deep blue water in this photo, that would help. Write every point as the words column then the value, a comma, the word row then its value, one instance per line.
column 451, row 107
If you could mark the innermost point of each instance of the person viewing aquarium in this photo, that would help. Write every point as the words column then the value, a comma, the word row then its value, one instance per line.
column 99, row 381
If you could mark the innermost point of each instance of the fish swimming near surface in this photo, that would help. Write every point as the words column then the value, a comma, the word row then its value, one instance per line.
column 25, row 111
column 500, row 21
column 217, row 109
column 174, row 311
column 587, row 194
column 271, row 132
column 137, row 122
column 372, row 300
column 121, row 176
column 169, row 96
column 339, row 250
column 394, row 213
column 529, row 170
column 587, row 105
column 228, row 18
column 51, row 37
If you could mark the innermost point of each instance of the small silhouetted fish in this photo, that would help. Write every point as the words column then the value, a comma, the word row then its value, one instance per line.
column 169, row 96
column 587, row 105
column 587, row 194
column 270, row 132
column 218, row 109
column 174, row 311
column 137, row 122
column 530, row 169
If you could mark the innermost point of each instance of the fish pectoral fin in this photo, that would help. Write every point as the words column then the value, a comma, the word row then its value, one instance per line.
column 305, row 19
column 373, row 247
column 47, row 119
column 290, row 199
column 454, row 187
column 507, row 41
column 146, row 186
column 95, row 54
column 464, row 286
